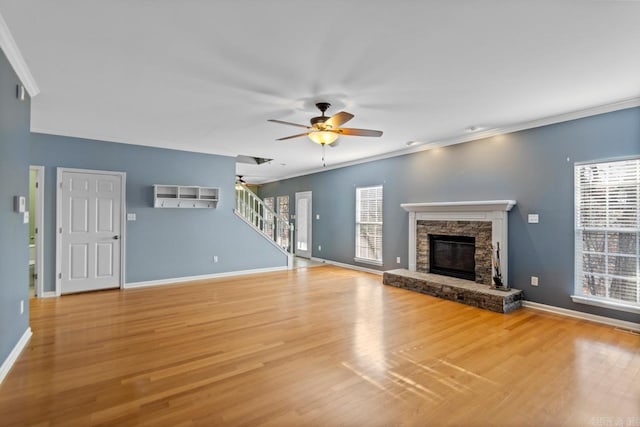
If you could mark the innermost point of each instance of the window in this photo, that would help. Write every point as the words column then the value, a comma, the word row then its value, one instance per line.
column 369, row 224
column 607, row 232
column 283, row 232
column 268, row 202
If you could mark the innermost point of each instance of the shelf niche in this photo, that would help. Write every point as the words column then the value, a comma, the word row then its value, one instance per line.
column 185, row 196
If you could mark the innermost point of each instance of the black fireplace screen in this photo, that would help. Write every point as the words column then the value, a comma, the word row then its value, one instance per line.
column 452, row 256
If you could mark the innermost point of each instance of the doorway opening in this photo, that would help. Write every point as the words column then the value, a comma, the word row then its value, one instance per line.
column 303, row 224
column 36, row 231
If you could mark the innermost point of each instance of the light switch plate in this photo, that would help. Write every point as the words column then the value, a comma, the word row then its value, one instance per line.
column 131, row 217
column 533, row 218
column 534, row 280
column 317, row 216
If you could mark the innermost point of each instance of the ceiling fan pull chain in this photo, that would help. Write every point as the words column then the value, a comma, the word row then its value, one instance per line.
column 324, row 164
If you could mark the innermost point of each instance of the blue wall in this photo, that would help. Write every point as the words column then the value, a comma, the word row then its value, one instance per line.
column 14, row 235
column 161, row 243
column 529, row 166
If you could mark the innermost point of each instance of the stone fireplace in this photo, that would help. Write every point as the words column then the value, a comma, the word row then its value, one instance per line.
column 450, row 253
column 485, row 221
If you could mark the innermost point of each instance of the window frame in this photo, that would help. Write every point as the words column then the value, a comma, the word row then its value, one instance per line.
column 579, row 296
column 358, row 222
column 282, row 237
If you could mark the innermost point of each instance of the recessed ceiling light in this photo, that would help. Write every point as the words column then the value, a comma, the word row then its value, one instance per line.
column 412, row 143
column 474, row 128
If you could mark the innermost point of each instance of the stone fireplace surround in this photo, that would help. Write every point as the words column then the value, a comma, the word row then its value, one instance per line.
column 487, row 222
column 453, row 217
column 481, row 230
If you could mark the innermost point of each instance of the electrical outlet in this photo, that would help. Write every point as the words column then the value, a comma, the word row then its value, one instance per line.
column 131, row 216
column 320, row 248
column 534, row 280
column 533, row 218
column 215, row 259
column 21, row 306
column 398, row 260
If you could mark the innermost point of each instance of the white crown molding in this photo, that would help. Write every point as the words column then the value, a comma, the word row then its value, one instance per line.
column 15, row 352
column 544, row 121
column 10, row 49
column 622, row 324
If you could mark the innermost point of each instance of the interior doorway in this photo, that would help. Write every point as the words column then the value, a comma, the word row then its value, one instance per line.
column 36, row 231
column 303, row 224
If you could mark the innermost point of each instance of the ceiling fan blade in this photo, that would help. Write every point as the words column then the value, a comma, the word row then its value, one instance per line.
column 338, row 119
column 293, row 136
column 359, row 132
column 289, row 123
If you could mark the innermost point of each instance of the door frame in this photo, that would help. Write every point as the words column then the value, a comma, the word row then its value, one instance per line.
column 123, row 218
column 308, row 194
column 39, row 225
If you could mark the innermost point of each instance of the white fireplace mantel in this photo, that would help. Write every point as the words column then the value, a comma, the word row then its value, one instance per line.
column 467, row 206
column 495, row 211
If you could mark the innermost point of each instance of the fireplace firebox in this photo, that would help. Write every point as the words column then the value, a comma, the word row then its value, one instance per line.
column 452, row 256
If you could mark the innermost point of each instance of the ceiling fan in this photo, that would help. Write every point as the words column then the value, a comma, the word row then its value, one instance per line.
column 240, row 181
column 325, row 130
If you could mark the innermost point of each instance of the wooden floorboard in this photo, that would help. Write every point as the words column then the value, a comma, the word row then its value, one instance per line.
column 315, row 346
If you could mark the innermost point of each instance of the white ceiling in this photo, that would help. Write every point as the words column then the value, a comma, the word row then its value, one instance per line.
column 206, row 75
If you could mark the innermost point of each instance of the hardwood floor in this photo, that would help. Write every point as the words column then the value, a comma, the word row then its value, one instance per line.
column 316, row 346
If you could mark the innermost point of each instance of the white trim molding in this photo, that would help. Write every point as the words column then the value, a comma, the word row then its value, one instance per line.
column 349, row 266
column 494, row 211
column 622, row 324
column 13, row 356
column 49, row 294
column 612, row 305
column 176, row 280
column 622, row 104
column 13, row 54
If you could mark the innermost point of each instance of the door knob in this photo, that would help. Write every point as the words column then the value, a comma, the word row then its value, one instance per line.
column 116, row 237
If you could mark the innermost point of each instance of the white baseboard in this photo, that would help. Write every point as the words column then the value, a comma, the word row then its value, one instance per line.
column 13, row 356
column 51, row 294
column 202, row 277
column 622, row 324
column 349, row 266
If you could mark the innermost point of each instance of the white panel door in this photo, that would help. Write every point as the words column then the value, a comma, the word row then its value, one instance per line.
column 303, row 224
column 90, row 247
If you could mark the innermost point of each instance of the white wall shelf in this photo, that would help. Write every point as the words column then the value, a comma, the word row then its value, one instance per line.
column 185, row 196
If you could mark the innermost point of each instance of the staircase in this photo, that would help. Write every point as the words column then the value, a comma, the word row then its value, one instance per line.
column 265, row 220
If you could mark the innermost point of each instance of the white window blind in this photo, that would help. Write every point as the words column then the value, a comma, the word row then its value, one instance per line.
column 607, row 232
column 369, row 224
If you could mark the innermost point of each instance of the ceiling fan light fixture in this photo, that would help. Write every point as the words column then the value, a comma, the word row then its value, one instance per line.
column 323, row 137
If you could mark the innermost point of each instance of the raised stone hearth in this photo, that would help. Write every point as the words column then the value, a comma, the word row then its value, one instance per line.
column 459, row 290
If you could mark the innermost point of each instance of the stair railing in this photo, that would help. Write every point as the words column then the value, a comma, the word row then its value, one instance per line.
column 263, row 218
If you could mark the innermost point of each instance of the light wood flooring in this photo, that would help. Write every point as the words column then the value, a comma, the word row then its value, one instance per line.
column 321, row 346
